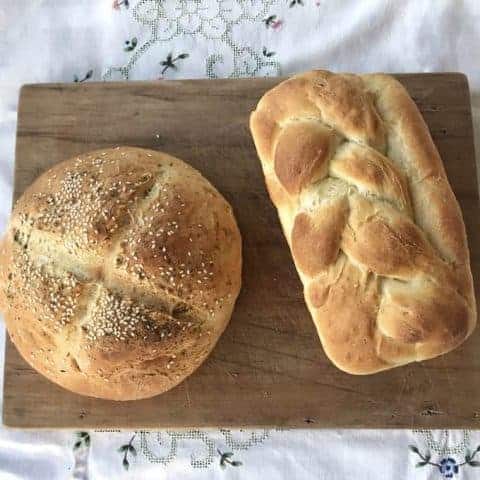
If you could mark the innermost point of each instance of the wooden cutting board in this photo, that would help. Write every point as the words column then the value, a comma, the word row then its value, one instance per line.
column 268, row 369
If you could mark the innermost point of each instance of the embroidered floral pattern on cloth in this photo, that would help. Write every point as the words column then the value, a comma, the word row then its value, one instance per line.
column 94, row 40
column 214, row 24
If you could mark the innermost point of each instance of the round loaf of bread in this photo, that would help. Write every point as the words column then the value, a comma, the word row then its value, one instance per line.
column 119, row 271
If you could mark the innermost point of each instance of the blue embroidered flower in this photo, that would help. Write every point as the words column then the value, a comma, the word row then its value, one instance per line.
column 448, row 467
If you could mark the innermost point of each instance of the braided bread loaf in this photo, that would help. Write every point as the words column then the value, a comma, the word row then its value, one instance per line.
column 375, row 231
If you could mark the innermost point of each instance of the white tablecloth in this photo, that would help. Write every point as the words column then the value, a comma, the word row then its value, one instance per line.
column 53, row 40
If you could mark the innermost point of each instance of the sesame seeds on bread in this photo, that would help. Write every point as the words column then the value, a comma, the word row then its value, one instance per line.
column 118, row 272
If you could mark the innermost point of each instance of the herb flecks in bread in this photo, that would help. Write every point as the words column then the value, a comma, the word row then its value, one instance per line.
column 119, row 272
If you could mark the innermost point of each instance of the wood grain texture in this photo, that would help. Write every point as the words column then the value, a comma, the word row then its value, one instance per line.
column 268, row 368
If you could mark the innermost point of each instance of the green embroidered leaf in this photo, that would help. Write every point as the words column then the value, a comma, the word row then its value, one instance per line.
column 87, row 441
column 468, row 458
column 76, row 79
column 227, row 454
column 183, row 55
column 236, row 463
column 122, row 448
column 266, row 53
column 77, row 445
column 420, row 464
column 427, row 457
column 474, row 463
column 413, row 448
column 269, row 20
column 132, row 450
column 131, row 44
column 125, row 464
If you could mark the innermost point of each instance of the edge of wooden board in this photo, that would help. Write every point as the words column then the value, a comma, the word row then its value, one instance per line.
column 84, row 423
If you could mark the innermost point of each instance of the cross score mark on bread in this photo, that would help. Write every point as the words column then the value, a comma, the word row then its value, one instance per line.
column 119, row 271
column 374, row 228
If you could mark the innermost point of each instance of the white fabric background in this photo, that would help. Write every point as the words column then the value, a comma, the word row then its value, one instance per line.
column 48, row 40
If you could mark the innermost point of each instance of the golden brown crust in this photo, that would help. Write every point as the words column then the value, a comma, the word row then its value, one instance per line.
column 301, row 155
column 316, row 240
column 119, row 271
column 376, row 232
